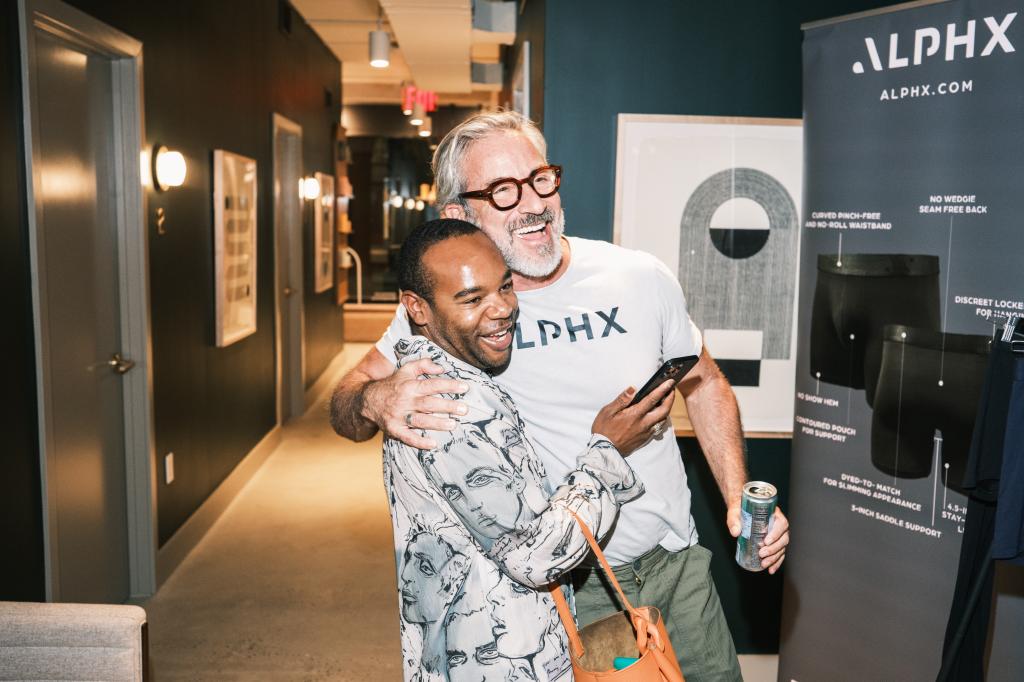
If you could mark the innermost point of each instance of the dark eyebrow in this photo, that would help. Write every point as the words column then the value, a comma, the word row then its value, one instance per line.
column 467, row 292
column 477, row 290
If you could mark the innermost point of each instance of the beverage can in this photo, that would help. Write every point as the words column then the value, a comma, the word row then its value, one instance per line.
column 756, row 510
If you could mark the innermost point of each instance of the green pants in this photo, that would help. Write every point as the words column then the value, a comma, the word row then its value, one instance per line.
column 680, row 585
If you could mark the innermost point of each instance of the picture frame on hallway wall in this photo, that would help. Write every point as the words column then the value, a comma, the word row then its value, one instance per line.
column 323, row 234
column 717, row 200
column 521, row 81
column 234, row 221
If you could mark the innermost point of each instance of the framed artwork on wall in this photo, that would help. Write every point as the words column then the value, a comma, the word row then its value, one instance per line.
column 234, row 221
column 717, row 200
column 521, row 81
column 323, row 234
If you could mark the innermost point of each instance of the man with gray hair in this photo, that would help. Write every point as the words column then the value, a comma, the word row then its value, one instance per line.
column 594, row 318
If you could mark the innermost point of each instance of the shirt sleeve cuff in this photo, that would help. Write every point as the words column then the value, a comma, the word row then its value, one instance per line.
column 602, row 461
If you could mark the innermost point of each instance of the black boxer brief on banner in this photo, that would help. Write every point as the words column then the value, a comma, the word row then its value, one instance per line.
column 855, row 297
column 911, row 404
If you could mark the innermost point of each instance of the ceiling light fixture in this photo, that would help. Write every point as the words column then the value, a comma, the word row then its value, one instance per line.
column 426, row 128
column 408, row 98
column 380, row 45
column 417, row 114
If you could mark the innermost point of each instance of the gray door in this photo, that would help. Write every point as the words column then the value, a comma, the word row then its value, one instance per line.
column 288, row 238
column 79, row 281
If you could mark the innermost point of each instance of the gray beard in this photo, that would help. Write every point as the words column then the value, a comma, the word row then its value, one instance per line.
column 547, row 259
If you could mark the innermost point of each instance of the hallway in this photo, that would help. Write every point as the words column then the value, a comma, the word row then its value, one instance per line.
column 296, row 581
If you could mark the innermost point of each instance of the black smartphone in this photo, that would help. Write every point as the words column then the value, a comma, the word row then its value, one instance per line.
column 674, row 369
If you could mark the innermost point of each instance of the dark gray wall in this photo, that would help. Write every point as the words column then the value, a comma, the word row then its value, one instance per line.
column 214, row 74
column 21, row 525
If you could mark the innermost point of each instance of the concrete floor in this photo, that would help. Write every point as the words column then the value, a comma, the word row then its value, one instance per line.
column 296, row 581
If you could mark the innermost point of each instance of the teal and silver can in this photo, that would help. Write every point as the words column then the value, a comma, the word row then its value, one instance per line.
column 756, row 510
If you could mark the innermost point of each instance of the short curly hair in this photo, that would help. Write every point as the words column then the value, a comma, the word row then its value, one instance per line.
column 412, row 276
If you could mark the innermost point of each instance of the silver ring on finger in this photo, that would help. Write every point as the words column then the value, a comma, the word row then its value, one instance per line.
column 658, row 429
column 408, row 419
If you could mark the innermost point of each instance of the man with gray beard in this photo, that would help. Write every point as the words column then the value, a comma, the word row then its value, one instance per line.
column 594, row 318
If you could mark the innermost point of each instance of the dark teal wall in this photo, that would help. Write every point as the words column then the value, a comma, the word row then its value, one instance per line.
column 737, row 58
column 752, row 602
column 605, row 57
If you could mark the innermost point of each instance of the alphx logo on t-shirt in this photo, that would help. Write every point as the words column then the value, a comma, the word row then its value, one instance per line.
column 585, row 329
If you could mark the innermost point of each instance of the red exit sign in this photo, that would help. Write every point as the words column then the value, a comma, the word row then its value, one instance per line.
column 426, row 98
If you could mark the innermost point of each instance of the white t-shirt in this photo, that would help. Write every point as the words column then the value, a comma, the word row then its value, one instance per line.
column 607, row 323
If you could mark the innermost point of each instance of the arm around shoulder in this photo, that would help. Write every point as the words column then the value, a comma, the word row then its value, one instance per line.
column 403, row 404
column 348, row 400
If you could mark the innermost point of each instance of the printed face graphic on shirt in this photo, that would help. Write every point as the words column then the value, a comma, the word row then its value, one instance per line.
column 508, row 438
column 473, row 655
column 509, row 600
column 431, row 575
column 485, row 494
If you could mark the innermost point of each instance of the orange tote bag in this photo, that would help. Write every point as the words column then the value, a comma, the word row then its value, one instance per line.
column 637, row 632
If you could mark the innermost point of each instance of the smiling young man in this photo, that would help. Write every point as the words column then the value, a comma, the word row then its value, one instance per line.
column 479, row 531
column 595, row 317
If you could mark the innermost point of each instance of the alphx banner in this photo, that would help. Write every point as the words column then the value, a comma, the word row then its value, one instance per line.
column 912, row 251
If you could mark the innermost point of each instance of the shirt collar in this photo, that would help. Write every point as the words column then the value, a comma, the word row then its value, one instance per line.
column 417, row 347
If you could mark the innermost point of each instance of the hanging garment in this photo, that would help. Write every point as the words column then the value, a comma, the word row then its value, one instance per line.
column 998, row 430
column 1008, row 534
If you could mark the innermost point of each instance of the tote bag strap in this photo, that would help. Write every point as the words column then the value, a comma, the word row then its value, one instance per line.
column 644, row 627
column 604, row 564
column 639, row 620
column 568, row 622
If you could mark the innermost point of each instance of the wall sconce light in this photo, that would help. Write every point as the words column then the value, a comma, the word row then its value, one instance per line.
column 420, row 205
column 426, row 127
column 169, row 168
column 396, row 201
column 380, row 46
column 410, row 203
column 418, row 114
column 309, row 188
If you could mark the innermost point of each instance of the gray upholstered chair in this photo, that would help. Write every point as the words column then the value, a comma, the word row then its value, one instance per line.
column 72, row 642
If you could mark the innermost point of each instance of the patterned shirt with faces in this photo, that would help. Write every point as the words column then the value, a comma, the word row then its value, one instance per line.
column 480, row 533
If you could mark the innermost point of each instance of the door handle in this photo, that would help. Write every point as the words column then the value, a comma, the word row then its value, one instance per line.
column 288, row 291
column 119, row 364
